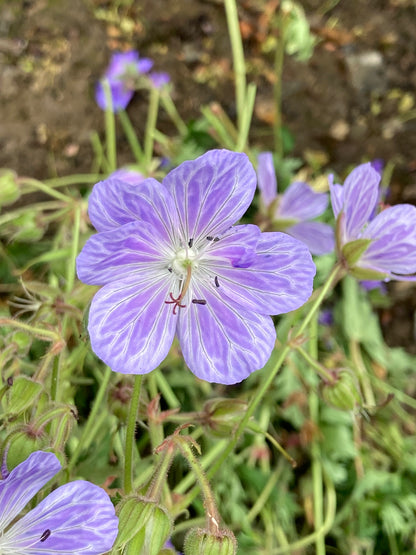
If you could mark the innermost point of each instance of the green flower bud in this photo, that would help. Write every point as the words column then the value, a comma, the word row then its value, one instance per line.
column 203, row 542
column 21, row 445
column 144, row 527
column 27, row 228
column 353, row 250
column 344, row 392
column 9, row 188
column 21, row 395
column 222, row 416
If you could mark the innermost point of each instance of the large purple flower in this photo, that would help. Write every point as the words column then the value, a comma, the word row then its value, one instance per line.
column 122, row 74
column 75, row 518
column 381, row 246
column 292, row 211
column 171, row 261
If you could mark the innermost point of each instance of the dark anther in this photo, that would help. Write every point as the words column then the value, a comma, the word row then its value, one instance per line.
column 45, row 535
column 190, row 243
column 170, row 270
column 199, row 301
column 216, row 239
column 217, row 283
column 209, row 238
column 10, row 381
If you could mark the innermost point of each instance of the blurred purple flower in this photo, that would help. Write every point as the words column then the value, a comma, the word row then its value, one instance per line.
column 292, row 210
column 326, row 317
column 75, row 518
column 122, row 75
column 378, row 165
column 171, row 261
column 159, row 79
column 128, row 176
column 380, row 247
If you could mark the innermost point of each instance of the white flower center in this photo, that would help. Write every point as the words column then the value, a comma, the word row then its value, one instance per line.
column 183, row 259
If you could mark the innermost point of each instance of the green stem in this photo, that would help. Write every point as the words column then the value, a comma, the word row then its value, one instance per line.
column 76, row 179
column 321, row 370
column 166, row 390
column 238, row 58
column 356, row 356
column 318, row 502
column 110, row 128
column 86, row 436
column 173, row 113
column 246, row 119
column 39, row 186
column 266, row 492
column 130, row 434
column 151, row 125
column 278, row 70
column 131, row 136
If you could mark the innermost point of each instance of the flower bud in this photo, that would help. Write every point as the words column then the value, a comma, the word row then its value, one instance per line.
column 144, row 527
column 343, row 393
column 203, row 542
column 21, row 395
column 9, row 188
column 21, row 445
column 222, row 416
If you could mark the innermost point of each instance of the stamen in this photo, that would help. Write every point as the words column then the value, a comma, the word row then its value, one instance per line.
column 170, row 270
column 209, row 238
column 216, row 239
column 199, row 301
column 190, row 243
column 45, row 535
column 217, row 283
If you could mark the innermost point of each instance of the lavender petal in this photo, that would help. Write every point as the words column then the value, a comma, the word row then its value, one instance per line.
column 360, row 198
column 130, row 325
column 221, row 343
column 301, row 202
column 120, row 95
column 113, row 203
column 278, row 281
column 337, row 195
column 122, row 252
column 266, row 176
column 317, row 236
column 212, row 192
column 79, row 516
column 23, row 483
column 394, row 241
column 236, row 247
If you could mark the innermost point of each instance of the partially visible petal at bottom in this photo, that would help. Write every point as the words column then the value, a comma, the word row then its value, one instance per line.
column 317, row 236
column 130, row 325
column 75, row 518
column 221, row 343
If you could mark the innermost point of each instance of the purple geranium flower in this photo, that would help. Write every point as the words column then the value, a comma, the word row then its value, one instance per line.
column 159, row 79
column 381, row 246
column 292, row 211
column 171, row 261
column 122, row 75
column 75, row 518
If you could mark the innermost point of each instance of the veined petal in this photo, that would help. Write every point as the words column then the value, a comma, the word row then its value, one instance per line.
column 113, row 203
column 317, row 236
column 212, row 192
column 279, row 279
column 394, row 241
column 266, row 178
column 360, row 197
column 301, row 202
column 75, row 518
column 337, row 195
column 236, row 247
column 124, row 251
column 130, row 325
column 221, row 343
column 23, row 483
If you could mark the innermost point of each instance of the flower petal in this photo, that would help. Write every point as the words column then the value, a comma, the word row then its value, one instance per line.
column 337, row 195
column 212, row 192
column 221, row 343
column 113, row 203
column 23, row 483
column 301, row 202
column 394, row 241
column 79, row 517
column 236, row 247
column 120, row 95
column 121, row 252
column 317, row 236
column 266, row 178
column 279, row 279
column 360, row 197
column 130, row 325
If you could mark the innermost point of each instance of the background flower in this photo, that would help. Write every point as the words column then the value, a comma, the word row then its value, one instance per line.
column 75, row 518
column 292, row 210
column 387, row 247
column 122, row 74
column 170, row 261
